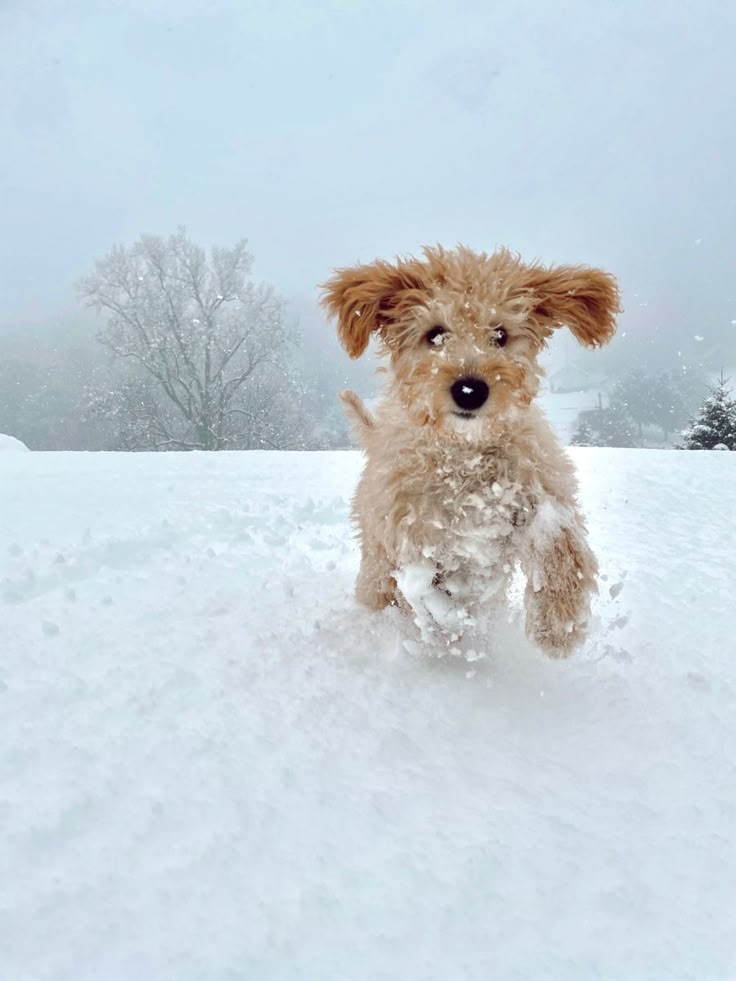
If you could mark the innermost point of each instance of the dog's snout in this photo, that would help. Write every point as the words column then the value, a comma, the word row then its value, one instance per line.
column 469, row 393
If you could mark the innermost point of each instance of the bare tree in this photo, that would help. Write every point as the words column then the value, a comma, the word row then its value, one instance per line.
column 213, row 341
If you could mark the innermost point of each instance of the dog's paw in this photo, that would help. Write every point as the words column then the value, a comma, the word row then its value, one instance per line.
column 557, row 637
column 558, row 614
column 560, row 584
column 435, row 602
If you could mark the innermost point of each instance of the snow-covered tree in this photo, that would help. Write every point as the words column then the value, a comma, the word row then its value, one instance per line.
column 584, row 435
column 714, row 427
column 213, row 343
column 609, row 426
column 664, row 399
column 42, row 397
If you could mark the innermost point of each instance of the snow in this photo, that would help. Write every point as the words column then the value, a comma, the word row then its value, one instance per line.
column 562, row 409
column 11, row 444
column 214, row 765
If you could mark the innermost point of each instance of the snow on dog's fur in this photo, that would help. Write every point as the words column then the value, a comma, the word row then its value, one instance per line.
column 464, row 477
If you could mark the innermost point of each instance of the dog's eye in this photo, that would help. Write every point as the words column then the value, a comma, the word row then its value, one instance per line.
column 499, row 336
column 435, row 336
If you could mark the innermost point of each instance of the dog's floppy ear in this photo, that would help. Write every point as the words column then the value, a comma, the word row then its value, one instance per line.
column 368, row 298
column 585, row 300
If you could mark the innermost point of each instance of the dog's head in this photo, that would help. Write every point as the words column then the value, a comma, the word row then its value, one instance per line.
column 463, row 330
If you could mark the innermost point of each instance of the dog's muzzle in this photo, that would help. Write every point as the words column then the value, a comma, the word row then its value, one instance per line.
column 469, row 394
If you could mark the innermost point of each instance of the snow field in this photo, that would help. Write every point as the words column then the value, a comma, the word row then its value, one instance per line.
column 214, row 765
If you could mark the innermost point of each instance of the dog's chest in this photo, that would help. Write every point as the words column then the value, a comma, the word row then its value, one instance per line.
column 469, row 512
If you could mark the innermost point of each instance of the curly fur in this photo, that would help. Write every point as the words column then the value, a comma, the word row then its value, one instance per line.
column 449, row 503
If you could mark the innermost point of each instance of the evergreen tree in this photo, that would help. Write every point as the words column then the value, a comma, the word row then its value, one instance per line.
column 612, row 426
column 715, row 425
column 665, row 399
column 584, row 435
column 617, row 428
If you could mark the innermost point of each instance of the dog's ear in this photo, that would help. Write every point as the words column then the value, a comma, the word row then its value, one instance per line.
column 368, row 298
column 585, row 300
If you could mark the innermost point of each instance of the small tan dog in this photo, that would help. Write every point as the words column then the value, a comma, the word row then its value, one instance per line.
column 464, row 479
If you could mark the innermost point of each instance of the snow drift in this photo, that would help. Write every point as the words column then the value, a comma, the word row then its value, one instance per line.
column 212, row 764
column 11, row 443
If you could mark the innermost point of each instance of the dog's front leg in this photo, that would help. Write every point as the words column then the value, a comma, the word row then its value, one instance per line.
column 561, row 578
column 434, row 600
column 375, row 586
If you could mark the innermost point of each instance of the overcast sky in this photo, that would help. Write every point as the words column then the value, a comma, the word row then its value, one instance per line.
column 326, row 133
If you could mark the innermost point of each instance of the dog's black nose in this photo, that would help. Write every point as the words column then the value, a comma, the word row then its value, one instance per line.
column 469, row 393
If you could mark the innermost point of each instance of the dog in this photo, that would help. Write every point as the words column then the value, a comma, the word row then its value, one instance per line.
column 464, row 480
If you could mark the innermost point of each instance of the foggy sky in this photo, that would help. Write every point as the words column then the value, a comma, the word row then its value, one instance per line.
column 328, row 133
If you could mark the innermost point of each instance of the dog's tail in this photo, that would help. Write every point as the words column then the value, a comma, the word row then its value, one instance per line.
column 358, row 416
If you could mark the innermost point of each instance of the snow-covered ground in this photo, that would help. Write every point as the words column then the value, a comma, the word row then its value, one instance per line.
column 11, row 443
column 214, row 766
